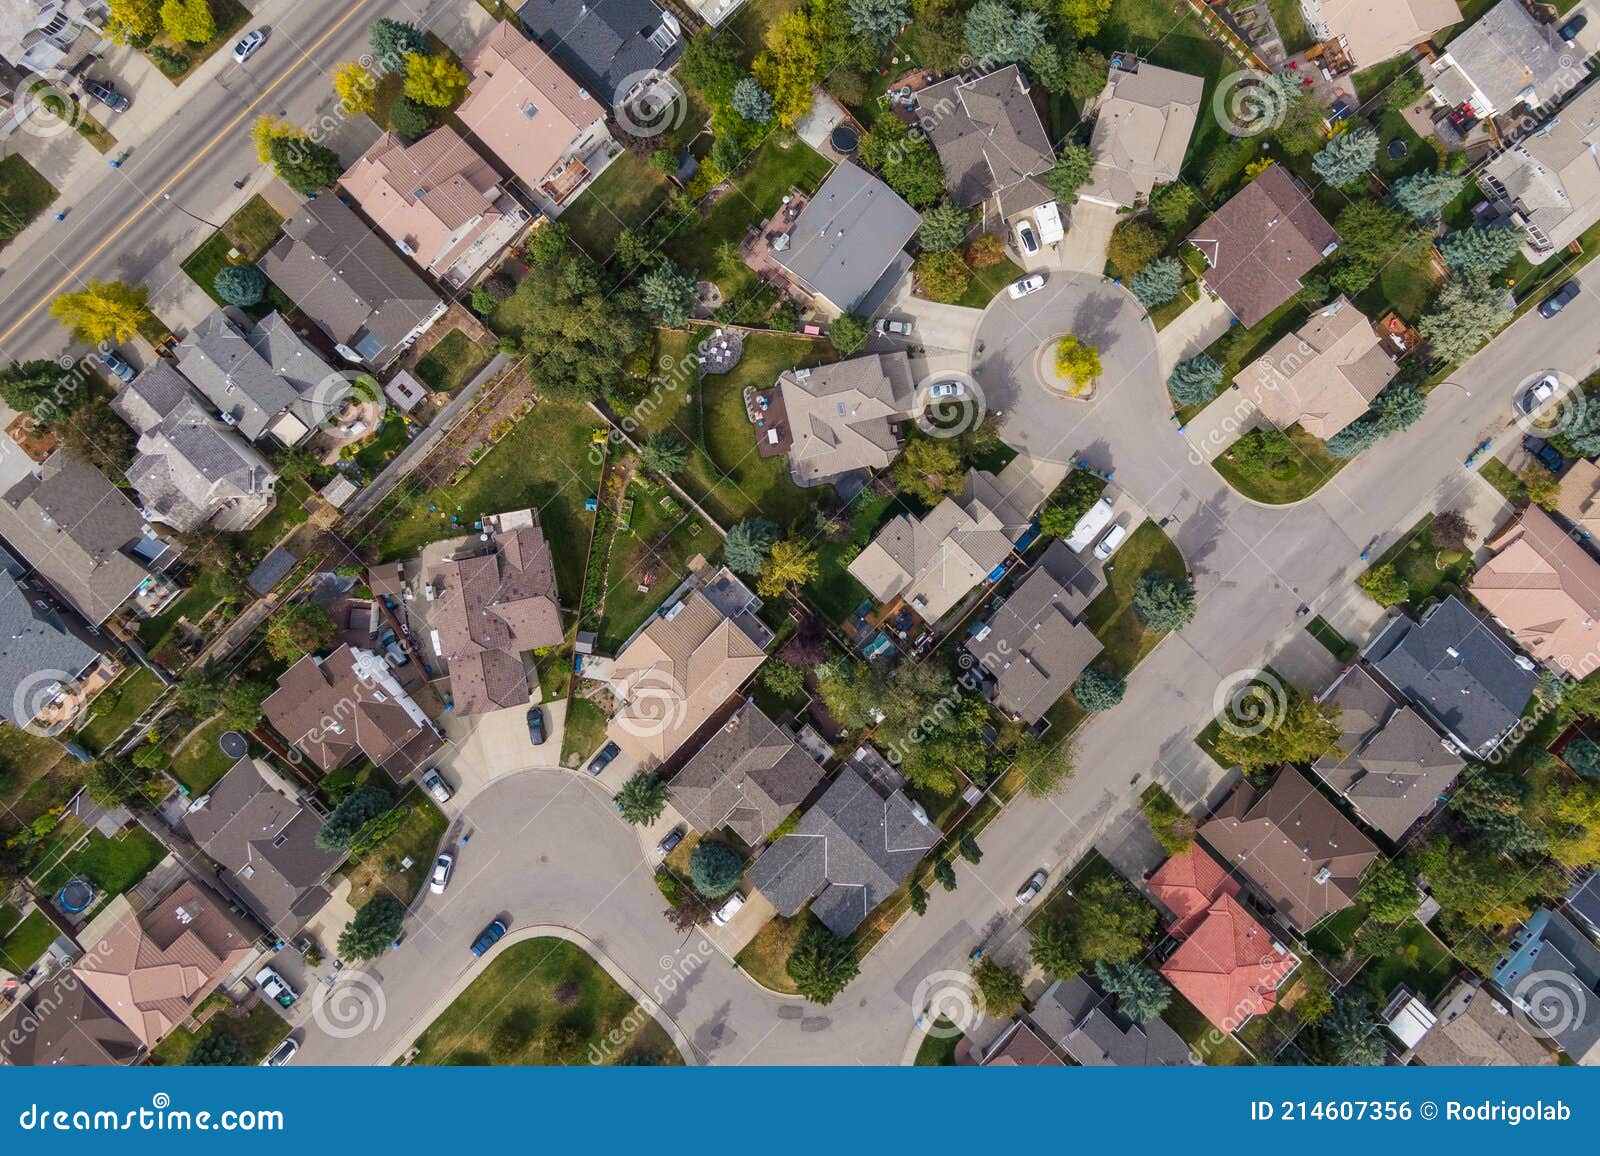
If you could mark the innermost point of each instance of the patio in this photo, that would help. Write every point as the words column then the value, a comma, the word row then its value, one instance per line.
column 765, row 409
column 720, row 352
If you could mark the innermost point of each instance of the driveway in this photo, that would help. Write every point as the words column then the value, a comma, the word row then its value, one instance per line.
column 488, row 746
column 938, row 327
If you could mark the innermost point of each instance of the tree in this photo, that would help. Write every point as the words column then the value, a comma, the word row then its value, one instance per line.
column 930, row 470
column 1078, row 363
column 103, row 311
column 1054, row 947
column 668, row 294
column 1571, row 813
column 216, row 1050
column 1298, row 730
column 1346, row 158
column 1110, row 922
column 945, row 874
column 356, row 87
column 132, row 22
column 1134, row 245
column 41, row 389
column 1163, row 602
column 1541, row 486
column 1424, row 195
column 999, row 34
column 1157, row 283
column 714, row 869
column 1467, row 312
column 199, row 690
column 298, row 630
column 266, row 129
column 1141, row 993
column 1070, row 171
column 943, row 227
column 782, row 679
column 1000, row 987
column 354, row 811
column 1172, row 826
column 1044, row 764
column 1399, row 405
column 436, row 81
column 1371, row 235
column 1385, row 585
column 967, row 846
column 1299, row 127
column 241, row 703
column 907, row 163
column 1353, row 1033
column 1491, row 805
column 410, row 119
column 372, row 929
column 1353, row 438
column 1450, row 530
column 1261, row 452
column 240, row 284
column 1086, row 73
column 665, row 453
column 305, row 166
column 579, row 333
column 789, row 65
column 188, row 21
column 665, row 162
column 1583, row 756
column 1098, row 689
column 1390, row 892
column 751, row 101
column 822, row 964
column 1084, row 17
column 881, row 20
column 394, row 40
column 111, row 782
column 1480, row 249
column 917, row 895
column 642, row 799
column 1477, row 886
column 943, row 277
column 748, row 542
column 1173, row 205
column 711, row 64
column 848, row 333
column 1195, row 380
column 789, row 563
column 94, row 434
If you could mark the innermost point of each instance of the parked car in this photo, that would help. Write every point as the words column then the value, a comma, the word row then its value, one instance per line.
column 892, row 328
column 669, row 841
column 1029, row 284
column 728, row 910
column 943, row 389
column 1549, row 457
column 389, row 641
column 276, row 988
column 440, row 879
column 246, row 48
column 120, row 369
column 536, row 726
column 1538, row 393
column 435, row 785
column 1108, row 544
column 1558, row 300
column 490, row 936
column 281, row 1054
column 1033, row 886
column 604, row 759
column 1569, row 31
column 107, row 95
column 1027, row 243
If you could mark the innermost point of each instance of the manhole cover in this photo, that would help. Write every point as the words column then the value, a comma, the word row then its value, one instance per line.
column 233, row 744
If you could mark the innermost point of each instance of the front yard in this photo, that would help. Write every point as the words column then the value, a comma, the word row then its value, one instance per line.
column 416, row 839
column 1111, row 615
column 584, row 733
column 115, row 708
column 764, row 957
column 257, row 1031
column 1290, row 479
column 1423, row 565
column 251, row 231
column 24, row 194
column 177, row 60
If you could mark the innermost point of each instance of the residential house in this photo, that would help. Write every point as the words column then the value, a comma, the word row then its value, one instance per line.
column 1551, row 972
column 748, row 776
column 1458, row 673
column 1470, row 1029
column 48, row 35
column 1372, row 31
column 852, row 848
column 152, row 968
column 990, row 140
column 1544, row 588
column 536, row 120
column 438, row 200
column 1292, row 846
column 1394, row 769
column 847, row 247
column 1089, row 1028
column 612, row 47
column 1324, row 375
column 1260, row 243
column 261, row 833
column 1505, row 60
column 59, row 1024
column 190, row 469
column 263, row 379
column 49, row 665
column 83, row 538
column 1036, row 644
column 1548, row 181
column 933, row 561
column 1188, row 885
column 1578, row 500
column 1144, row 118
column 1583, row 902
column 1019, row 1047
column 359, row 291
column 348, row 704
column 493, row 606
column 844, row 418
column 1229, row 966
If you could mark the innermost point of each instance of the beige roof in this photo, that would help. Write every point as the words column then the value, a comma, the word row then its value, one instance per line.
column 841, row 415
column 1579, row 498
column 152, row 969
column 1545, row 589
column 436, row 196
column 1475, row 1029
column 1324, row 375
column 1375, row 30
column 1143, row 122
column 522, row 106
column 685, row 664
column 1552, row 176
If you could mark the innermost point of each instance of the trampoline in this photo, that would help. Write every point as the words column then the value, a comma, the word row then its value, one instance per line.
column 844, row 139
column 1398, row 148
column 75, row 896
column 233, row 744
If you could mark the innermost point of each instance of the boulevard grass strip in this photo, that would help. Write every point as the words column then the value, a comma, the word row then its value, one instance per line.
column 938, row 1049
column 544, row 1001
column 115, row 708
column 1335, row 643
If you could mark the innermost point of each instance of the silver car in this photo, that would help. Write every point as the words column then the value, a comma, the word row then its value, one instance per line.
column 1033, row 886
column 436, row 786
column 442, row 867
column 246, row 48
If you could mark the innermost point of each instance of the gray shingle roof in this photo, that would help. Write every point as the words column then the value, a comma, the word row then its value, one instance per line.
column 748, row 776
column 1083, row 1023
column 34, row 640
column 1506, row 52
column 1552, row 973
column 603, row 42
column 987, row 133
column 847, row 235
column 253, row 374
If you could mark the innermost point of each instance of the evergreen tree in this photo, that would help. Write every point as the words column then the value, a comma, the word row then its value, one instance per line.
column 1424, row 195
column 1195, row 380
column 1346, row 158
column 748, row 542
column 1141, row 993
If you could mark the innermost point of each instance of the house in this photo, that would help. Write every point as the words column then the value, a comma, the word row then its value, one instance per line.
column 1019, row 1047
column 261, row 834
column 1229, row 966
column 47, row 35
column 59, row 1024
column 933, row 561
column 49, row 665
column 438, row 200
column 152, row 968
column 1324, row 375
column 612, row 47
column 1372, row 31
column 748, row 776
column 1583, row 902
column 1260, row 243
column 83, row 538
column 1144, row 118
column 1504, row 60
column 347, row 704
column 1292, row 846
column 360, row 292
column 492, row 607
column 990, row 140
column 844, row 418
column 1470, row 1029
column 1188, row 884
column 262, row 378
column 1578, row 500
column 1548, row 181
column 534, row 118
column 847, row 247
column 1551, row 972
column 1036, row 644
column 1544, row 588
column 1394, row 769
column 1086, row 1025
column 190, row 469
column 853, row 847
column 686, row 662
column 1458, row 673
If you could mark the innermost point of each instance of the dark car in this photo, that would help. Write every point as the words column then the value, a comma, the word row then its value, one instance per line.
column 603, row 760
column 670, row 841
column 536, row 726
column 1549, row 457
column 107, row 95
column 1558, row 300
column 491, row 935
column 1570, row 30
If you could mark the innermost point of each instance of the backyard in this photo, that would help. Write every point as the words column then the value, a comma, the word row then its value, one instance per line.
column 622, row 197
column 452, row 363
column 652, row 551
column 287, row 512
column 205, row 592
column 835, row 590
column 199, row 763
column 114, row 709
column 24, row 194
column 112, row 865
column 23, row 941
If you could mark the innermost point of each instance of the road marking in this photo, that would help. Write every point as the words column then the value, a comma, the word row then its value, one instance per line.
column 181, row 173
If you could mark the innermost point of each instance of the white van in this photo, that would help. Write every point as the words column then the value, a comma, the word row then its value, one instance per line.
column 1089, row 526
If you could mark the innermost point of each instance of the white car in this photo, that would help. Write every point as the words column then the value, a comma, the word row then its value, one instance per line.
column 253, row 40
column 891, row 328
column 946, row 389
column 436, row 786
column 1029, row 284
column 440, row 879
column 728, row 910
column 1107, row 545
column 281, row 1054
column 1538, row 393
column 276, row 988
column 1027, row 243
column 1032, row 887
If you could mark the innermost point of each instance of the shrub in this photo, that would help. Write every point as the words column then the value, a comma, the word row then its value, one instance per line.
column 240, row 284
column 351, row 815
column 848, row 333
column 1583, row 756
column 373, row 928
column 1384, row 585
column 944, row 277
column 1133, row 246
column 822, row 964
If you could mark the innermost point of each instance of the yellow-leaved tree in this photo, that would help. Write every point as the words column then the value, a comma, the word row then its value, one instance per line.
column 356, row 87
column 131, row 21
column 188, row 21
column 436, row 81
column 268, row 129
column 788, row 67
column 1078, row 363
column 104, row 311
column 791, row 563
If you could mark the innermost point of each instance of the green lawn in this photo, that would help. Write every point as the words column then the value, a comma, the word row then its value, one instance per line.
column 383, row 444
column 764, row 957
column 544, row 1001
column 1241, row 345
column 202, row 596
column 24, row 194
column 1335, row 643
column 1419, row 961
column 115, row 708
column 1423, row 565
column 258, row 1031
column 779, row 164
column 251, row 231
column 585, row 731
column 200, row 762
column 452, row 363
column 620, row 198
column 1291, row 25
column 835, row 590
column 416, row 839
column 1204, row 1039
column 112, row 865
column 938, row 1049
column 986, row 283
column 656, row 545
column 24, row 942
column 1499, row 475
column 1290, row 480
column 544, row 463
column 1111, row 614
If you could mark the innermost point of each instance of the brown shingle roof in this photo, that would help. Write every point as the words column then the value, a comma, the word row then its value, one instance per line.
column 60, row 1025
column 1477, row 1030
column 987, row 133
column 748, row 776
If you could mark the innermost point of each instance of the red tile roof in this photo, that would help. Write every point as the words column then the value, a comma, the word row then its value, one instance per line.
column 1229, row 967
column 1187, row 884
